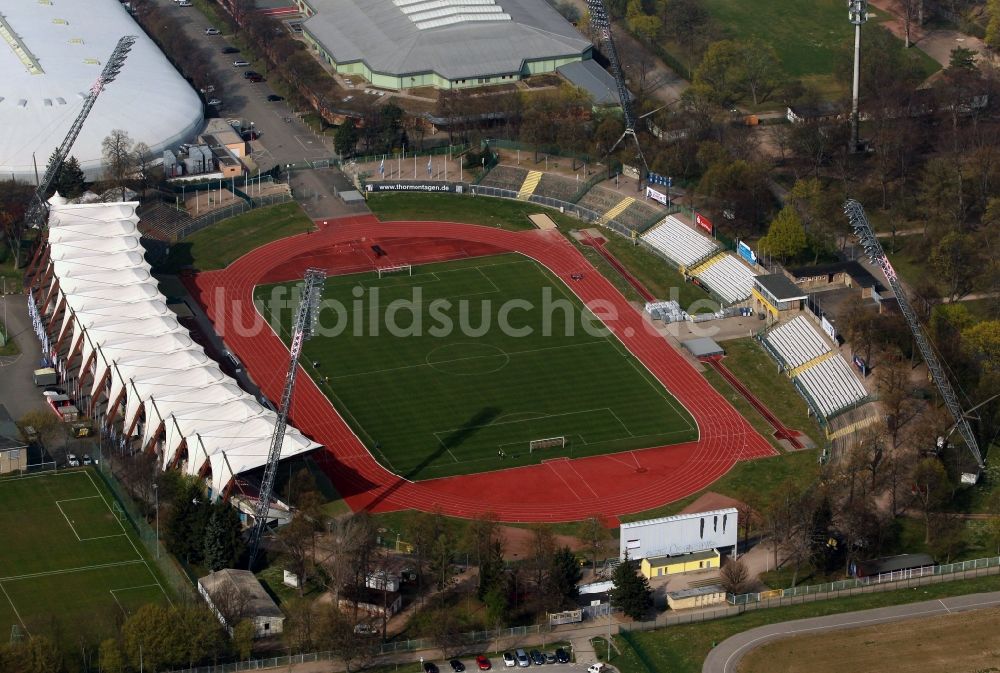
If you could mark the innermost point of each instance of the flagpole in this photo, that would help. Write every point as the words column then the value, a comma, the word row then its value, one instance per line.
column 414, row 166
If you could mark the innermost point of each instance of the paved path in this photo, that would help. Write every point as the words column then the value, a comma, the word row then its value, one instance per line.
column 726, row 656
column 18, row 392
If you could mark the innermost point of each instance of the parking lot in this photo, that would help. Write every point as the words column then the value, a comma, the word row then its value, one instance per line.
column 281, row 142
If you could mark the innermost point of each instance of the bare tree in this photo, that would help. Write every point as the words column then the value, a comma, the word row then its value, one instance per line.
column 595, row 537
column 233, row 603
column 735, row 576
column 119, row 158
column 143, row 162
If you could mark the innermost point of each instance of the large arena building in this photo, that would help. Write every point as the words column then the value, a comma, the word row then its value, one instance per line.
column 52, row 54
column 447, row 44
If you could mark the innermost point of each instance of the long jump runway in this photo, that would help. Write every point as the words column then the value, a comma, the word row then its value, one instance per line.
column 564, row 490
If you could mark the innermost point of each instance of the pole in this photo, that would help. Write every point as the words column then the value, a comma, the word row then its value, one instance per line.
column 856, row 88
column 609, row 628
column 414, row 165
column 156, row 497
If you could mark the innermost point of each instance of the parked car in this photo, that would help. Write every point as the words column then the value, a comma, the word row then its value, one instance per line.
column 508, row 660
column 483, row 663
column 87, row 459
column 207, row 89
column 550, row 657
column 256, row 79
column 430, row 667
column 537, row 658
column 72, row 460
column 250, row 134
column 561, row 656
column 365, row 629
column 230, row 50
column 522, row 658
column 214, row 102
column 274, row 98
column 597, row 668
column 456, row 666
column 212, row 31
column 247, row 74
column 240, row 63
column 184, row 3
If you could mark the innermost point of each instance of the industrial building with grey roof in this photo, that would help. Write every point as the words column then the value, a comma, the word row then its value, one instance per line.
column 447, row 44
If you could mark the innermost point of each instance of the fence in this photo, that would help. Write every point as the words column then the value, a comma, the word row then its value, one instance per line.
column 179, row 579
column 30, row 471
column 883, row 582
column 430, row 151
column 469, row 638
column 233, row 209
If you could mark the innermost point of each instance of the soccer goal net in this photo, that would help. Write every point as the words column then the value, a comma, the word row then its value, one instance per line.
column 399, row 268
column 547, row 443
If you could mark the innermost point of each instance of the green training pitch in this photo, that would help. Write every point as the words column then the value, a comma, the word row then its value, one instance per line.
column 69, row 563
column 439, row 402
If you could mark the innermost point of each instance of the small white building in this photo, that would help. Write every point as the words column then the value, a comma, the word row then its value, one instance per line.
column 383, row 581
column 235, row 595
column 679, row 534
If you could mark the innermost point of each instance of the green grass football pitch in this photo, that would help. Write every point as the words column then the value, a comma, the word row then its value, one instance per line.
column 69, row 562
column 439, row 402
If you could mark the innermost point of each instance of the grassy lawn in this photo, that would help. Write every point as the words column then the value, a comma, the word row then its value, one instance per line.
column 68, row 564
column 7, row 346
column 660, row 278
column 757, row 371
column 682, row 649
column 224, row 242
column 512, row 215
column 810, row 38
column 443, row 386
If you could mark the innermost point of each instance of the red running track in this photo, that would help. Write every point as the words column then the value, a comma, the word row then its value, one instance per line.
column 557, row 490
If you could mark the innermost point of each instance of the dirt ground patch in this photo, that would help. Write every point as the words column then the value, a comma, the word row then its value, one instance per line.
column 955, row 643
column 517, row 542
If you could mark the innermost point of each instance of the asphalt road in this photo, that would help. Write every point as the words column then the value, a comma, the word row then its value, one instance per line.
column 18, row 393
column 725, row 658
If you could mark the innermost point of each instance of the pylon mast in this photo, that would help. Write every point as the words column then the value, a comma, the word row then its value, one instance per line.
column 302, row 331
column 37, row 211
column 866, row 236
column 601, row 24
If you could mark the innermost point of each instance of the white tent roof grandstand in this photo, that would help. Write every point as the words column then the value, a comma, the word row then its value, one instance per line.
column 457, row 39
column 117, row 318
column 53, row 54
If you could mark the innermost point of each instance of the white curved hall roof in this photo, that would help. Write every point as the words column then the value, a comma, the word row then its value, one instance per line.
column 116, row 313
column 51, row 53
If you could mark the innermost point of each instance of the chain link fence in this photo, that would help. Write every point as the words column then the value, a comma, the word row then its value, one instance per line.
column 178, row 577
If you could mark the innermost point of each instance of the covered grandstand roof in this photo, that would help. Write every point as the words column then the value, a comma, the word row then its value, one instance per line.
column 51, row 53
column 595, row 80
column 457, row 39
column 116, row 317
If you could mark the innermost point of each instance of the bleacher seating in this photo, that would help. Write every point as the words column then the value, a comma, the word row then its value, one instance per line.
column 637, row 215
column 600, row 200
column 679, row 242
column 557, row 187
column 505, row 177
column 730, row 278
column 828, row 379
column 833, row 385
column 797, row 342
column 162, row 222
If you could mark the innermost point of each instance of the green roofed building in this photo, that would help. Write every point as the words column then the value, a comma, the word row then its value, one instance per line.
column 447, row 44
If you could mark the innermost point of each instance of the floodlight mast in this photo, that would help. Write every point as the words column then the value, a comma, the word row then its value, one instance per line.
column 600, row 22
column 866, row 236
column 38, row 210
column 302, row 330
column 857, row 14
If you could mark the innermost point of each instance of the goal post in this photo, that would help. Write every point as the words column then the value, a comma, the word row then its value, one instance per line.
column 546, row 443
column 399, row 268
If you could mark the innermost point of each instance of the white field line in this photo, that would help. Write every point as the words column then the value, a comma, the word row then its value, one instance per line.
column 66, row 571
column 68, row 522
column 14, row 608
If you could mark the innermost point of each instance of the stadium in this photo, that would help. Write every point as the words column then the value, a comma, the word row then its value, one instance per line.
column 54, row 53
column 446, row 44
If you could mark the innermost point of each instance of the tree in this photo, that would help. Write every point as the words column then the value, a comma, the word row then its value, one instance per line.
column 185, row 523
column 955, row 259
column 563, row 576
column 110, row 656
column 50, row 430
column 543, row 547
column 346, row 138
column 142, row 162
column 70, row 181
column 993, row 27
column 14, row 199
column 786, row 238
column 930, row 490
column 119, row 158
column 243, row 634
column 152, row 635
column 760, row 69
column 631, row 593
column 595, row 537
column 735, row 576
column 982, row 343
column 719, row 74
column 497, row 600
column 223, row 544
column 297, row 540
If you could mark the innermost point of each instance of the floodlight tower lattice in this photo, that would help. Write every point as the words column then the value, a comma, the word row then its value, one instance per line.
column 857, row 14
column 601, row 24
column 37, row 211
column 866, row 236
column 302, row 331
